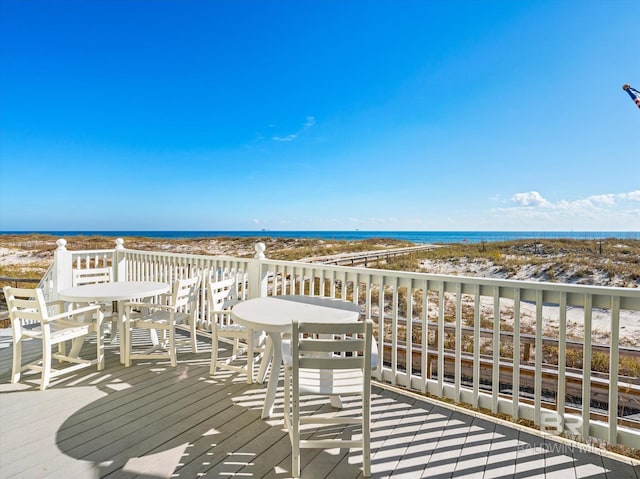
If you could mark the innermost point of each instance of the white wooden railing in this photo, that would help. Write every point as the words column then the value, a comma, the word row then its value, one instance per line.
column 467, row 334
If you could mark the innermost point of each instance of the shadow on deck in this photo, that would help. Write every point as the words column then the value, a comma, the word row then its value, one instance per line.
column 153, row 421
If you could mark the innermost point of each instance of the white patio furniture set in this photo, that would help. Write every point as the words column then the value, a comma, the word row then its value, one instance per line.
column 327, row 352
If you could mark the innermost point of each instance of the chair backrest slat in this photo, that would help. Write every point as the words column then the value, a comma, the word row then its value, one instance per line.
column 348, row 345
column 331, row 328
column 331, row 345
column 185, row 293
column 331, row 363
column 25, row 304
column 220, row 294
column 80, row 277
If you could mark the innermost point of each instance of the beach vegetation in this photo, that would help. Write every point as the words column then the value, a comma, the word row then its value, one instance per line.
column 607, row 262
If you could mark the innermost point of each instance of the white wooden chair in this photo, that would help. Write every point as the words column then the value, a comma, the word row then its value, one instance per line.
column 221, row 296
column 31, row 319
column 328, row 360
column 82, row 276
column 179, row 307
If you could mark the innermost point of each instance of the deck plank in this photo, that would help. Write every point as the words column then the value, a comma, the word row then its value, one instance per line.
column 152, row 421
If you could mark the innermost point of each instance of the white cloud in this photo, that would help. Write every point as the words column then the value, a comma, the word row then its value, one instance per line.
column 608, row 199
column 309, row 122
column 285, row 138
column 612, row 198
column 603, row 211
column 531, row 198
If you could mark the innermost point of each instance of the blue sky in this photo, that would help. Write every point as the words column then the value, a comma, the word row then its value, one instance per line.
column 319, row 115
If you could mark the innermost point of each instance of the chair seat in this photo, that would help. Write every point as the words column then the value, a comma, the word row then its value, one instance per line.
column 231, row 330
column 232, row 327
column 60, row 331
column 160, row 318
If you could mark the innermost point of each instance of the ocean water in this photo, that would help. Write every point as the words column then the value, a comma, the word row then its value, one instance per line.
column 418, row 237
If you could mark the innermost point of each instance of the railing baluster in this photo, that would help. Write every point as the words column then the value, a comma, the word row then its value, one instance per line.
column 381, row 331
column 562, row 358
column 394, row 330
column 457, row 375
column 410, row 325
column 586, row 366
column 441, row 339
column 614, row 361
column 538, row 360
column 495, row 377
column 425, row 363
column 516, row 355
column 476, row 345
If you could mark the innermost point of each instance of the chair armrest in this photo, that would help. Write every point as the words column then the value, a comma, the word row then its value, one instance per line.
column 229, row 303
column 130, row 304
column 73, row 312
column 58, row 305
column 164, row 299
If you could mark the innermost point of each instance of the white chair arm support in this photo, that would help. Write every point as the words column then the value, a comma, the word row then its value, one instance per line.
column 72, row 312
column 133, row 304
column 59, row 305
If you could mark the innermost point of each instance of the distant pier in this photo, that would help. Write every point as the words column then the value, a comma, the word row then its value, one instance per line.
column 352, row 259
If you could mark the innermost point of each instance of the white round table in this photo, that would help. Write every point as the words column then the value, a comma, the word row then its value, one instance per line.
column 274, row 314
column 119, row 291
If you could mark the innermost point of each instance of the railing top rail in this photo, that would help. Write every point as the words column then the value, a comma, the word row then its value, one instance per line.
column 186, row 255
column 91, row 251
column 453, row 279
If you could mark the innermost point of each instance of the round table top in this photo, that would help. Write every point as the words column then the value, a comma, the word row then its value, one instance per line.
column 276, row 313
column 114, row 291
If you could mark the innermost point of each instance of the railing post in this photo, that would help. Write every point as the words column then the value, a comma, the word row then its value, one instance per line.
column 119, row 265
column 63, row 266
column 257, row 274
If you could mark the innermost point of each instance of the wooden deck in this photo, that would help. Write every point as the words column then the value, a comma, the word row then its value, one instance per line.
column 153, row 421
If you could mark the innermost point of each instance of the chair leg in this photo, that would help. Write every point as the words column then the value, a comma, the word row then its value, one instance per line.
column 46, row 365
column 172, row 346
column 100, row 342
column 295, row 424
column 250, row 357
column 366, row 438
column 214, row 353
column 114, row 331
column 194, row 340
column 295, row 437
column 127, row 350
column 17, row 361
column 287, row 398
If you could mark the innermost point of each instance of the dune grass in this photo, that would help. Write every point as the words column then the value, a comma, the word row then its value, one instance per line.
column 610, row 262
